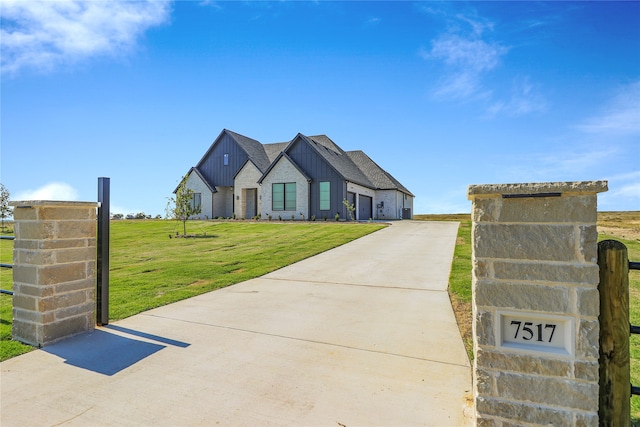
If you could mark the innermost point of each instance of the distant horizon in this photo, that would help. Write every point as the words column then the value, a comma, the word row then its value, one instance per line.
column 153, row 217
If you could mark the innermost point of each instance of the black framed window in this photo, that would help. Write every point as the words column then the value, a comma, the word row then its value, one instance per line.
column 196, row 200
column 325, row 195
column 283, row 196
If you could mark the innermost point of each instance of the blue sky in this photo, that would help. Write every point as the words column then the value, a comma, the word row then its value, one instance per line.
column 440, row 94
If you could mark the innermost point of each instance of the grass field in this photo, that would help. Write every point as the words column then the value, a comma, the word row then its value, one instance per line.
column 148, row 269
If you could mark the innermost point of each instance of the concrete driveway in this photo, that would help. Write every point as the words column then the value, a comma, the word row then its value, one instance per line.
column 361, row 335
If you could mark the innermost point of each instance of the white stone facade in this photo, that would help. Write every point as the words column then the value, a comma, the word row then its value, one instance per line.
column 195, row 183
column 283, row 172
column 247, row 179
column 387, row 204
column 223, row 202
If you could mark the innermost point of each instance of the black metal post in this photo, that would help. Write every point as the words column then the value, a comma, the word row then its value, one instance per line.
column 102, row 294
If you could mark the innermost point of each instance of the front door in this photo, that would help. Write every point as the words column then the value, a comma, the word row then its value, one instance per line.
column 251, row 200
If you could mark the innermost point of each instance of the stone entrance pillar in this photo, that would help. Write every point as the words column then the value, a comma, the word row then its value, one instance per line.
column 535, row 303
column 54, row 278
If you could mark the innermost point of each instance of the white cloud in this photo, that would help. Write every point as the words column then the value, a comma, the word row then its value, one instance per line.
column 525, row 99
column 51, row 191
column 623, row 194
column 462, row 85
column 621, row 116
column 43, row 34
column 473, row 54
column 470, row 56
column 467, row 57
column 373, row 20
column 467, row 60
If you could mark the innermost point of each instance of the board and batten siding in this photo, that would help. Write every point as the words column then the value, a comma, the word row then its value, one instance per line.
column 212, row 165
column 317, row 168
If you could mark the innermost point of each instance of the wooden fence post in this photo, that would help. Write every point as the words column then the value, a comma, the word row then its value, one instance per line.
column 615, row 374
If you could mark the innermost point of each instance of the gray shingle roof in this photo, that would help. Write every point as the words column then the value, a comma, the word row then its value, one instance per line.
column 254, row 149
column 337, row 158
column 326, row 142
column 274, row 149
column 380, row 178
column 354, row 166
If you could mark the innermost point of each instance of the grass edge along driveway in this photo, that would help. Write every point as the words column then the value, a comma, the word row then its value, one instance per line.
column 149, row 269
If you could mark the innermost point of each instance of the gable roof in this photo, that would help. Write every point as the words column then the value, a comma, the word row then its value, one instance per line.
column 353, row 166
column 197, row 172
column 275, row 162
column 338, row 159
column 254, row 149
column 382, row 179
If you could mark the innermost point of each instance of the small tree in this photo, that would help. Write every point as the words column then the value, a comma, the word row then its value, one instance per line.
column 182, row 206
column 5, row 209
column 350, row 208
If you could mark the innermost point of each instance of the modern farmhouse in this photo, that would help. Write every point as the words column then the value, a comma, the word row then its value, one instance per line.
column 307, row 177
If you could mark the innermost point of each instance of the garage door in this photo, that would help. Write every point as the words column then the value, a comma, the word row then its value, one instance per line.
column 365, row 204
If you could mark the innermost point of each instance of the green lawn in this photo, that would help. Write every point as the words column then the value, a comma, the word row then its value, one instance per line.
column 8, row 348
column 149, row 269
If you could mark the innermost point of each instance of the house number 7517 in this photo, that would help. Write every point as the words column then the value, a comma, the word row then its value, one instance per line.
column 528, row 331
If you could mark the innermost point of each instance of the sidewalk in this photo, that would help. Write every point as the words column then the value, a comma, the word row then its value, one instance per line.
column 362, row 335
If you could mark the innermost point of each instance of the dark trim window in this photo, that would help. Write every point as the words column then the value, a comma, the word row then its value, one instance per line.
column 325, row 195
column 196, row 200
column 226, row 159
column 283, row 196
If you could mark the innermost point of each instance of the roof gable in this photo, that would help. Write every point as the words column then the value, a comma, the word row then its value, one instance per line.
column 353, row 166
column 252, row 148
column 284, row 156
column 199, row 175
column 273, row 150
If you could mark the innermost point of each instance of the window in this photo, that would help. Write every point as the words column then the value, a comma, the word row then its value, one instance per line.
column 196, row 200
column 283, row 196
column 226, row 159
column 325, row 195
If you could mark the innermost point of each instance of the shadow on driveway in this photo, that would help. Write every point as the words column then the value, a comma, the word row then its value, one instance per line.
column 108, row 353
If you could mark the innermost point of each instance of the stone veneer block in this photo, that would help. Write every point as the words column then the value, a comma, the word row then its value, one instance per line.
column 523, row 296
column 535, row 258
column 55, row 256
